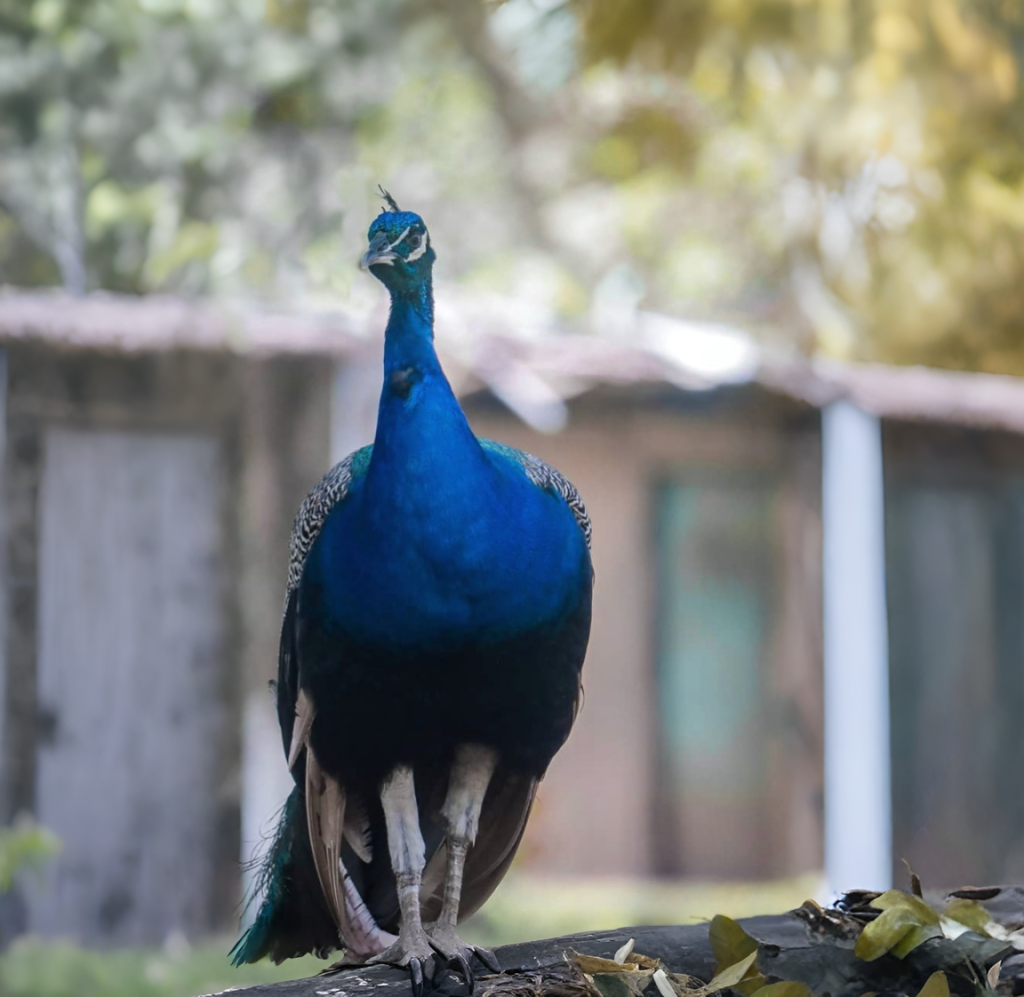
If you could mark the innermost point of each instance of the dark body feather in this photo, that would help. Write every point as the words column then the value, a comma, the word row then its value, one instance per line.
column 439, row 595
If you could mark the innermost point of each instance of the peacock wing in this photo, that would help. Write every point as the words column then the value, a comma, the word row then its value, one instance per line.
column 332, row 489
column 335, row 817
column 502, row 823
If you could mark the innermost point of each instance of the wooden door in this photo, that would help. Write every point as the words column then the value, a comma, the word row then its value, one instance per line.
column 131, row 681
column 715, row 582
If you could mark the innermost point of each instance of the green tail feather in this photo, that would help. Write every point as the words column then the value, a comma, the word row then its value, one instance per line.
column 293, row 918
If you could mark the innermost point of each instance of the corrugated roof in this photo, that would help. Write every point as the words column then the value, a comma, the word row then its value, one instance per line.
column 122, row 324
column 923, row 394
column 519, row 354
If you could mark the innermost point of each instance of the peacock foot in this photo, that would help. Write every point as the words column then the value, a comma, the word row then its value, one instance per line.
column 411, row 951
column 460, row 953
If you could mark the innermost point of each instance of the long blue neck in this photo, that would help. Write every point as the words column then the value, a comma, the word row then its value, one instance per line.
column 409, row 336
column 423, row 442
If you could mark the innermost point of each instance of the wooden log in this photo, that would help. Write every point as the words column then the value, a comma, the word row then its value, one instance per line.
column 684, row 948
column 808, row 945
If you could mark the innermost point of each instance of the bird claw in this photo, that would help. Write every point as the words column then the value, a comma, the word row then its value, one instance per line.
column 428, row 975
column 412, row 953
column 459, row 955
column 488, row 958
column 465, row 970
column 416, row 976
column 459, row 966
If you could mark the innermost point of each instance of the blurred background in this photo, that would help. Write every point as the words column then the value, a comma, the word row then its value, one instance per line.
column 750, row 273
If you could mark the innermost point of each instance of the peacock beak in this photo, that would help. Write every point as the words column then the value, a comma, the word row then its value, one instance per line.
column 379, row 252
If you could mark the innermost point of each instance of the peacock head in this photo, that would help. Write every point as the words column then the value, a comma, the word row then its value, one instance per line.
column 400, row 255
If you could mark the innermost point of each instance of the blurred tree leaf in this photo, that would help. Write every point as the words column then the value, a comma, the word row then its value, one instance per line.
column 24, row 845
column 889, row 134
column 149, row 144
column 846, row 177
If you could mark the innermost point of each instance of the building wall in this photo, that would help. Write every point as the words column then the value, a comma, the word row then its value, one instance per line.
column 256, row 436
column 955, row 567
column 600, row 810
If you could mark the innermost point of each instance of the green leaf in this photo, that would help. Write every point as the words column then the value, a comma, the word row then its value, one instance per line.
column 936, row 986
column 729, row 942
column 194, row 240
column 612, row 985
column 784, row 988
column 906, row 921
column 732, row 975
column 883, row 933
column 915, row 937
column 969, row 913
column 893, row 899
column 24, row 846
column 731, row 945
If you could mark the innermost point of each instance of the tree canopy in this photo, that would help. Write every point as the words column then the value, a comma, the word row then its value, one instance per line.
column 844, row 177
column 873, row 151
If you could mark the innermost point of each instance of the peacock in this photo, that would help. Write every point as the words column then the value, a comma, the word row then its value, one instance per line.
column 436, row 621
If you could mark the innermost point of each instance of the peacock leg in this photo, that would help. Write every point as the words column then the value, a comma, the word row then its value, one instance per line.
column 405, row 843
column 467, row 785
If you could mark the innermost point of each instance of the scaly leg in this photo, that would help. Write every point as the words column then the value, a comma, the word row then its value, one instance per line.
column 405, row 843
column 467, row 784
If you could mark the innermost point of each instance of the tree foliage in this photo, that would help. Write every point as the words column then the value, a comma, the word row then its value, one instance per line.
column 181, row 144
column 876, row 148
column 844, row 175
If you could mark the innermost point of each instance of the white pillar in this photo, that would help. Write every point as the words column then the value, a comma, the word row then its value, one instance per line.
column 858, row 804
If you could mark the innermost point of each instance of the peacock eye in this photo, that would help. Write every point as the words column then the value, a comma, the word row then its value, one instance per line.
column 414, row 240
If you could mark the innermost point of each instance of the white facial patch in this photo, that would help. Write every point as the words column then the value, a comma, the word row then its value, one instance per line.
column 420, row 250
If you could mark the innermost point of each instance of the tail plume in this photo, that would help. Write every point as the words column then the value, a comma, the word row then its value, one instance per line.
column 293, row 918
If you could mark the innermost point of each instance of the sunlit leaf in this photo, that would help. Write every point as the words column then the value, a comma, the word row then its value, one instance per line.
column 731, row 976
column 893, row 899
column 729, row 942
column 906, row 921
column 969, row 913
